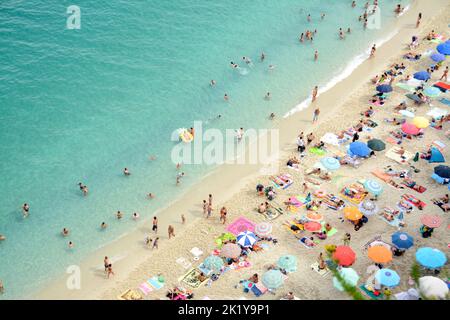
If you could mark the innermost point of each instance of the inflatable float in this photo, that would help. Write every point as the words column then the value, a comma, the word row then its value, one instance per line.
column 185, row 135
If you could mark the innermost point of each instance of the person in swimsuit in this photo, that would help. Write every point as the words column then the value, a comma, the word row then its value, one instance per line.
column 25, row 210
column 155, row 225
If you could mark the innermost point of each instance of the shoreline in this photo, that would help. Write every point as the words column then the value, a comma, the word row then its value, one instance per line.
column 94, row 286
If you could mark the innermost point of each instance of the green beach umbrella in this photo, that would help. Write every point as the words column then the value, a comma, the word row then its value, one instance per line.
column 349, row 275
column 376, row 145
column 273, row 279
column 213, row 263
column 288, row 263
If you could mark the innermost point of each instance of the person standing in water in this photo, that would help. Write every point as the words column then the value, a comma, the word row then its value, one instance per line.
column 419, row 19
column 263, row 56
column 372, row 51
column 212, row 83
column 314, row 93
column 126, row 172
column 316, row 55
column 225, row 97
column 353, row 4
column 25, row 210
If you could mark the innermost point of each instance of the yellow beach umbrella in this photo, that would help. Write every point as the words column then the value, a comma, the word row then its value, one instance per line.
column 421, row 122
column 352, row 213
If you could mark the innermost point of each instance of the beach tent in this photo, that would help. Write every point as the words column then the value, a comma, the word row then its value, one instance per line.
column 402, row 240
column 288, row 263
column 444, row 48
column 436, row 156
column 433, row 288
column 422, row 75
column 432, row 92
column 272, row 279
column 384, row 88
column 387, row 277
column 349, row 276
column 376, row 145
column 437, row 57
column 430, row 258
column 442, row 171
column 344, row 256
column 359, row 149
column 246, row 239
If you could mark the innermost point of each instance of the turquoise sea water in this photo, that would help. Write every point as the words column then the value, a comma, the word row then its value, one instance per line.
column 80, row 105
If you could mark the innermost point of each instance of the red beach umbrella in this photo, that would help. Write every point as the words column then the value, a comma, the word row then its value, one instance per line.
column 431, row 221
column 344, row 255
column 313, row 226
column 409, row 128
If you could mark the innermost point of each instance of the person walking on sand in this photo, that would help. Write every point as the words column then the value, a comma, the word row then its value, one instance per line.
column 309, row 138
column 155, row 243
column 223, row 215
column 209, row 211
column 419, row 19
column 372, row 51
column 445, row 75
column 205, row 208
column 171, row 231
column 106, row 263
column 316, row 115
column 109, row 271
column 316, row 55
column 183, row 219
column 210, row 199
column 347, row 238
column 155, row 225
column 314, row 93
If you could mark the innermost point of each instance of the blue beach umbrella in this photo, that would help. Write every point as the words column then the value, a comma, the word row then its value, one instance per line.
column 432, row 92
column 330, row 163
column 444, row 48
column 272, row 279
column 359, row 149
column 213, row 263
column 430, row 258
column 422, row 75
column 402, row 240
column 373, row 187
column 246, row 239
column 387, row 277
column 436, row 156
column 288, row 263
column 437, row 57
column 384, row 88
column 349, row 275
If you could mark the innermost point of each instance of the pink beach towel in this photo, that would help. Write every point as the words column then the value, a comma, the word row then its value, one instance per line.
column 239, row 225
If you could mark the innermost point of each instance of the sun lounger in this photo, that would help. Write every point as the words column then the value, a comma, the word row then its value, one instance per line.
column 393, row 155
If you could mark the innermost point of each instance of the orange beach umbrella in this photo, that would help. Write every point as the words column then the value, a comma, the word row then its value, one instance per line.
column 352, row 213
column 380, row 254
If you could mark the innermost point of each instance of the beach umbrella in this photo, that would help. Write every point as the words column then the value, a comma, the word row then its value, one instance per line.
column 213, row 263
column 431, row 221
column 272, row 279
column 246, row 239
column 421, row 122
column 432, row 92
column 433, row 288
column 442, row 171
column 288, row 263
column 344, row 255
column 444, row 48
column 384, row 88
column 437, row 57
column 349, row 276
column 359, row 149
column 313, row 226
column 402, row 240
column 430, row 258
column 379, row 254
column 330, row 138
column 263, row 229
column 314, row 216
column 368, row 208
column 330, row 163
column 409, row 128
column 352, row 213
column 422, row 75
column 230, row 250
column 436, row 156
column 376, row 145
column 387, row 277
column 373, row 187
column 407, row 113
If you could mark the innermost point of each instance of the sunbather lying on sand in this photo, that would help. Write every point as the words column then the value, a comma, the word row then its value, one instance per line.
column 316, row 171
column 293, row 162
column 412, row 56
column 368, row 113
column 308, row 241
column 401, row 106
column 325, row 176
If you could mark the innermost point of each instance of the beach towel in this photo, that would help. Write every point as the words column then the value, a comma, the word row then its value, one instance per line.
column 416, row 187
column 380, row 174
column 438, row 144
column 145, row 288
column 323, row 272
column 359, row 195
column 393, row 140
column 369, row 293
column 183, row 262
column 317, row 151
column 391, row 154
column 302, row 243
column 404, row 86
column 155, row 283
column 439, row 204
column 445, row 101
column 271, row 214
column 394, row 223
column 283, row 181
column 332, row 201
column 437, row 178
column 259, row 289
column 191, row 278
column 130, row 294
column 413, row 200
column 241, row 224
column 442, row 86
column 300, row 227
column 297, row 203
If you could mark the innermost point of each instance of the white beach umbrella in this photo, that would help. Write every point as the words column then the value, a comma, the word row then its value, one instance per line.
column 432, row 287
column 330, row 138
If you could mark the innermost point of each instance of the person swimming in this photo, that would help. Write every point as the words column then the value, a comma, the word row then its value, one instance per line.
column 65, row 232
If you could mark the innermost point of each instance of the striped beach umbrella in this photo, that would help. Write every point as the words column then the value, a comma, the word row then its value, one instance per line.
column 431, row 221
column 288, row 263
column 246, row 239
column 421, row 122
column 213, row 263
column 349, row 276
column 430, row 258
column 263, row 229
column 330, row 163
column 344, row 255
column 402, row 240
column 272, row 279
column 368, row 207
column 379, row 254
column 230, row 250
column 387, row 277
column 433, row 288
column 373, row 187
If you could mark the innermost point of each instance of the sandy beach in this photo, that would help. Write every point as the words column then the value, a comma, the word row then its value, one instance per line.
column 233, row 186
